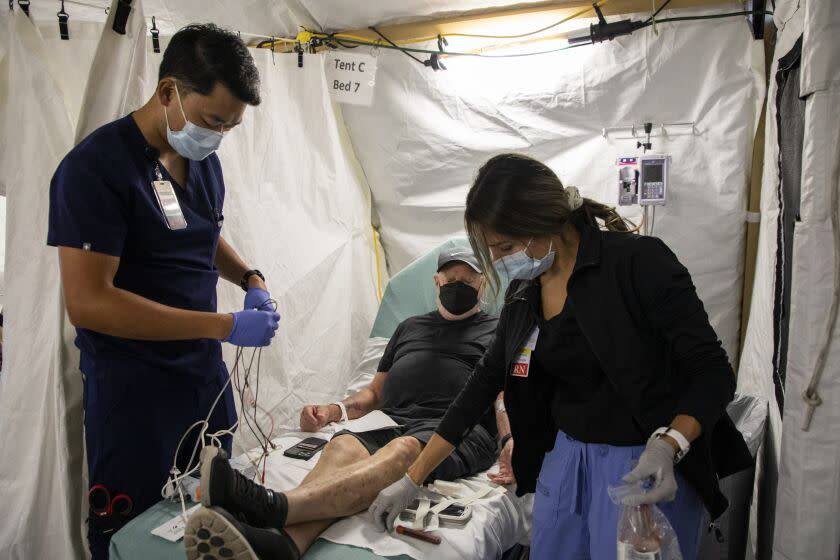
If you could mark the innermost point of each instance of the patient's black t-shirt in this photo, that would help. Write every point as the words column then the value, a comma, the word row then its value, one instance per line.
column 428, row 361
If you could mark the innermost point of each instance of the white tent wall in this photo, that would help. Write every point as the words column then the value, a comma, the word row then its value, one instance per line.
column 807, row 503
column 40, row 398
column 297, row 207
column 755, row 376
column 5, row 40
column 70, row 62
column 427, row 133
column 248, row 16
column 801, row 466
column 2, row 243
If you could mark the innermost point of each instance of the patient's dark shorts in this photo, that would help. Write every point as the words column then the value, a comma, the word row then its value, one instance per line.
column 475, row 454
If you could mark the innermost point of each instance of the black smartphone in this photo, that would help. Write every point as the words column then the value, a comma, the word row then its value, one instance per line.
column 305, row 449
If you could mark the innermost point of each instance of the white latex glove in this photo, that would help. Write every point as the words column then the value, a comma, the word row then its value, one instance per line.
column 656, row 463
column 391, row 501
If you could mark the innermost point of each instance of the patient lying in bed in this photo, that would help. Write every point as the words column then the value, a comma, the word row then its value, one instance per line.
column 424, row 367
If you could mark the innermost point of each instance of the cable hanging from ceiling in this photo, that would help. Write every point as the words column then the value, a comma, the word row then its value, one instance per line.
column 600, row 31
column 345, row 36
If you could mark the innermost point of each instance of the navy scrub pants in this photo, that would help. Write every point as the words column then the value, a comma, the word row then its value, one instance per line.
column 575, row 519
column 133, row 422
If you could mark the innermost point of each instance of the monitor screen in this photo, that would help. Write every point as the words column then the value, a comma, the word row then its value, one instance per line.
column 653, row 171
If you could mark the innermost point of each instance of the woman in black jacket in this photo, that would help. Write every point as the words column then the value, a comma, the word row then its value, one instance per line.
column 607, row 360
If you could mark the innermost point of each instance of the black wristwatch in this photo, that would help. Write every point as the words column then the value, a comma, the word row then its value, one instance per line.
column 505, row 438
column 245, row 277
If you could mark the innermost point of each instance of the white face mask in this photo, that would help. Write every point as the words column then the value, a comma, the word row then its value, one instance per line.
column 519, row 266
column 192, row 142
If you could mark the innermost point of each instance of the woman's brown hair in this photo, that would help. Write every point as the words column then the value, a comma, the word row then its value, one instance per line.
column 517, row 196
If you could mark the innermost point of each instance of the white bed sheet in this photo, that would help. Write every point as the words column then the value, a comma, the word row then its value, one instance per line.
column 498, row 521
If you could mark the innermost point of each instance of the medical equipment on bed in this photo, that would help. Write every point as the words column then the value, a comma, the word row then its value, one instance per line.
column 191, row 487
column 420, row 535
column 453, row 515
column 451, row 509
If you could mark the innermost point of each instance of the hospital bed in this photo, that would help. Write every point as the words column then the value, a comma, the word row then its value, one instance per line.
column 500, row 520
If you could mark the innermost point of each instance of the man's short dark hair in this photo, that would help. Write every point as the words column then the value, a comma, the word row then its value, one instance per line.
column 201, row 55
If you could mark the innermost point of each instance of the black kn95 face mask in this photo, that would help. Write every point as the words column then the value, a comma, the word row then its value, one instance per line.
column 458, row 297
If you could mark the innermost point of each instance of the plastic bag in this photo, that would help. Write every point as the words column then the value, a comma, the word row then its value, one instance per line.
column 643, row 532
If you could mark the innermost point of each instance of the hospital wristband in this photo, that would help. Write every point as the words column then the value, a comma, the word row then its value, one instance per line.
column 343, row 409
column 681, row 440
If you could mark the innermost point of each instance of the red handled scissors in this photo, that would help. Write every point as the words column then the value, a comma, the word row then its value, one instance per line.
column 103, row 505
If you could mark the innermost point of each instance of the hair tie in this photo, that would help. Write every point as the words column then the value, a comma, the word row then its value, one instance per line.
column 575, row 200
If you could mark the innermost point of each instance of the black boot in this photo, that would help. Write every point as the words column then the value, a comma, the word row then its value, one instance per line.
column 214, row 534
column 225, row 487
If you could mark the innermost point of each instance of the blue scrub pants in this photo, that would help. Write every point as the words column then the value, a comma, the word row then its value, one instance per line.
column 133, row 422
column 575, row 519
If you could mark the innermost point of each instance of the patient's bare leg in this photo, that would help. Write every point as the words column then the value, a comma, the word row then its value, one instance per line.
column 327, row 494
column 340, row 452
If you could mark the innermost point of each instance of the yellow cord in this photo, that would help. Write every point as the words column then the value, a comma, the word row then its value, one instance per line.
column 378, row 270
column 340, row 36
column 306, row 36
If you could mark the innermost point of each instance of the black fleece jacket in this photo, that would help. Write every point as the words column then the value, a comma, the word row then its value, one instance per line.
column 639, row 311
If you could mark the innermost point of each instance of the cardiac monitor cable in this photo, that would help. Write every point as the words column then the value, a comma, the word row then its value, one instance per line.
column 176, row 478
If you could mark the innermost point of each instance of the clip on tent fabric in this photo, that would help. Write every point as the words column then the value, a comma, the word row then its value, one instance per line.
column 155, row 36
column 63, row 18
column 434, row 61
column 121, row 16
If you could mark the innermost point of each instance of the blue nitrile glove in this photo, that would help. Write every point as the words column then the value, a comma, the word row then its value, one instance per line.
column 391, row 501
column 656, row 465
column 257, row 298
column 252, row 327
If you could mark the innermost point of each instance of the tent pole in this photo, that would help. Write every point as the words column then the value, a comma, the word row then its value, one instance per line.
column 754, row 203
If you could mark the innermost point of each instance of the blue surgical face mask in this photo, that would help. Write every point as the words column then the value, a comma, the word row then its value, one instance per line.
column 519, row 266
column 193, row 141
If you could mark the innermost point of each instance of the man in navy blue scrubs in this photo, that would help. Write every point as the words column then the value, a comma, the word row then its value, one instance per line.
column 136, row 214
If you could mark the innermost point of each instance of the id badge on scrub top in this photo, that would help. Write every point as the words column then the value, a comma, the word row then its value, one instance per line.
column 169, row 205
column 522, row 362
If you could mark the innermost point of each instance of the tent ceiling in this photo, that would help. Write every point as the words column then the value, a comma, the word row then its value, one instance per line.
column 339, row 15
column 335, row 15
column 284, row 17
